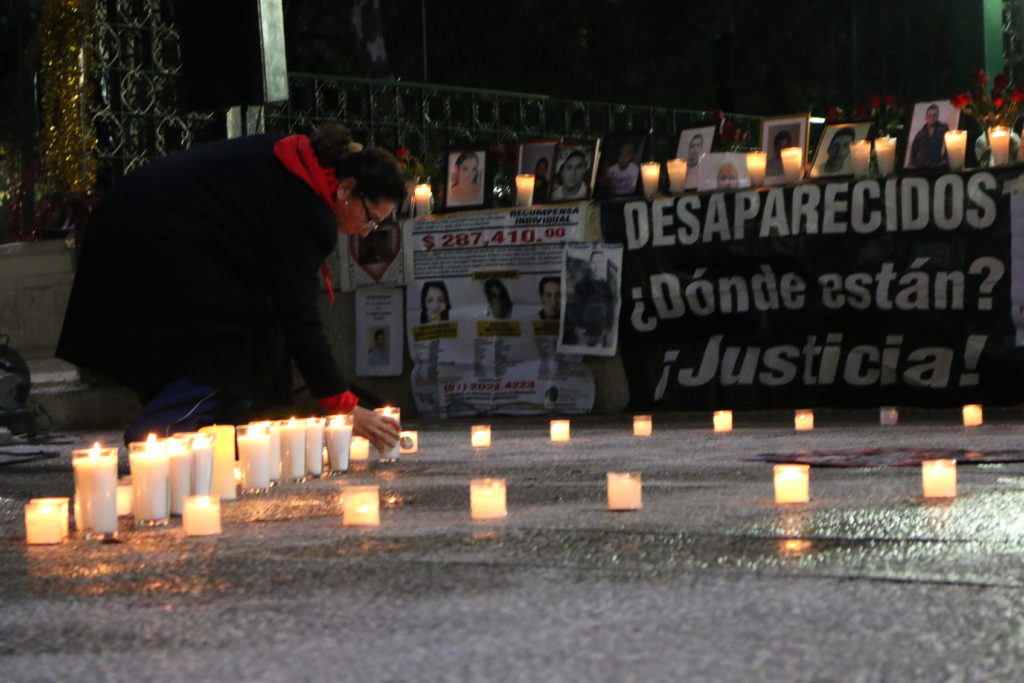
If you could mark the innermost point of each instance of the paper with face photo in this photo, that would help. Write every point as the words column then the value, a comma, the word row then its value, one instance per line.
column 723, row 171
column 694, row 143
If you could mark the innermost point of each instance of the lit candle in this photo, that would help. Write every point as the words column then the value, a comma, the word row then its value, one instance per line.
column 888, row 416
column 339, row 440
column 395, row 414
column 124, row 497
column 956, row 148
column 625, row 491
column 201, row 516
column 559, row 430
column 756, row 163
column 46, row 521
column 422, row 193
column 803, row 420
column 293, row 450
column 722, row 420
column 96, row 491
column 314, row 446
column 642, row 425
column 223, row 460
column 480, row 436
column 972, row 415
column 179, row 454
column 885, row 154
column 792, row 483
column 792, row 163
column 650, row 171
column 274, row 437
column 999, row 143
column 360, row 449
column 151, row 478
column 524, row 189
column 938, row 478
column 860, row 156
column 203, row 446
column 254, row 457
column 360, row 505
column 487, row 498
column 408, row 441
column 676, row 175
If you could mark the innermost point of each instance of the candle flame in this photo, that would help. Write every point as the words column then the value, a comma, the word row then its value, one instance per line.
column 291, row 422
column 94, row 452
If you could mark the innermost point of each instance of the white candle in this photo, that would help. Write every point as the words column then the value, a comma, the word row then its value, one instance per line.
column 480, row 436
column 642, row 425
column 360, row 449
column 274, row 438
column 803, row 420
column 151, row 478
column 560, row 430
column 792, row 163
column 293, row 450
column 524, row 189
column 676, row 175
column 361, row 505
column 396, row 414
column 339, row 440
column 63, row 504
column 223, row 460
column 314, row 446
column 885, row 154
column 96, row 491
column 179, row 453
column 756, row 163
column 722, row 420
column 888, row 416
column 254, row 457
column 487, row 498
column 999, row 143
column 650, row 171
column 938, row 478
column 201, row 516
column 408, row 441
column 625, row 491
column 956, row 148
column 203, row 446
column 972, row 415
column 860, row 156
column 46, row 521
column 422, row 193
column 124, row 497
column 792, row 483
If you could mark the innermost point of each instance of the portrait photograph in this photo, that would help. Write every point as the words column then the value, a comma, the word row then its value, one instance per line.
column 618, row 173
column 574, row 172
column 693, row 144
column 538, row 158
column 722, row 171
column 832, row 156
column 926, row 137
column 777, row 133
column 466, row 184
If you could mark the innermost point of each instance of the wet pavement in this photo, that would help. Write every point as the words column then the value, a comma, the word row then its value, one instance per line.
column 710, row 581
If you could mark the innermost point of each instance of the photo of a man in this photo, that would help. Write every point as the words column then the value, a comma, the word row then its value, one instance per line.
column 550, row 298
column 832, row 157
column 619, row 168
column 694, row 143
column 928, row 128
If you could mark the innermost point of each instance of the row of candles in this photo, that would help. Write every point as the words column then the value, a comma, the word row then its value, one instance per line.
column 189, row 474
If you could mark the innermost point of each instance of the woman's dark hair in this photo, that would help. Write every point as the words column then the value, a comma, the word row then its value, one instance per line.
column 375, row 171
column 464, row 156
column 434, row 284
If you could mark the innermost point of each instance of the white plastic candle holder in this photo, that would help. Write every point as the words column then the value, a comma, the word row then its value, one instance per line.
column 360, row 505
column 625, row 491
column 487, row 499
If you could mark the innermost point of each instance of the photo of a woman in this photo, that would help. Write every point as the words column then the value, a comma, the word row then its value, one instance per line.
column 434, row 302
column 465, row 179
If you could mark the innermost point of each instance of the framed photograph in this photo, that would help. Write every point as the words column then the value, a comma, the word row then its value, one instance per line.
column 466, row 184
column 832, row 157
column 618, row 173
column 721, row 171
column 591, row 303
column 777, row 133
column 574, row 171
column 693, row 144
column 926, row 140
column 538, row 158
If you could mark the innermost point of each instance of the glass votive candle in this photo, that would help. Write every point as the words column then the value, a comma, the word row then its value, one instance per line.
column 422, row 195
column 223, row 485
column 524, row 189
column 756, row 164
column 938, row 478
column 722, row 420
column 46, row 521
column 956, row 148
column 408, row 441
column 339, row 442
column 203, row 446
column 792, row 163
column 360, row 505
column 885, row 154
column 360, row 449
column 972, row 415
column 999, row 144
column 95, row 491
column 151, row 481
column 860, row 157
column 487, row 498
column 201, row 516
column 803, row 419
column 124, row 497
column 179, row 455
column 642, row 425
column 792, row 483
column 625, row 491
column 560, row 430
column 676, row 175
column 254, row 457
column 394, row 413
column 888, row 416
column 480, row 436
column 314, row 446
column 650, row 172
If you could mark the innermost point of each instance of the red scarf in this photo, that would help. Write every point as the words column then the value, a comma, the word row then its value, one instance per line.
column 298, row 156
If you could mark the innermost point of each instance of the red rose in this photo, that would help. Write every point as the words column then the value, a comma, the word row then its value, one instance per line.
column 1018, row 94
column 960, row 100
column 997, row 102
column 1001, row 81
column 981, row 78
column 889, row 100
column 859, row 112
column 874, row 101
column 402, row 153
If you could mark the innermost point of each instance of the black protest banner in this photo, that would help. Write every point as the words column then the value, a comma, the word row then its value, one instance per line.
column 843, row 293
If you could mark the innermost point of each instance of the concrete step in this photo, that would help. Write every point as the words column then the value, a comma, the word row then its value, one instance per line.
column 71, row 402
